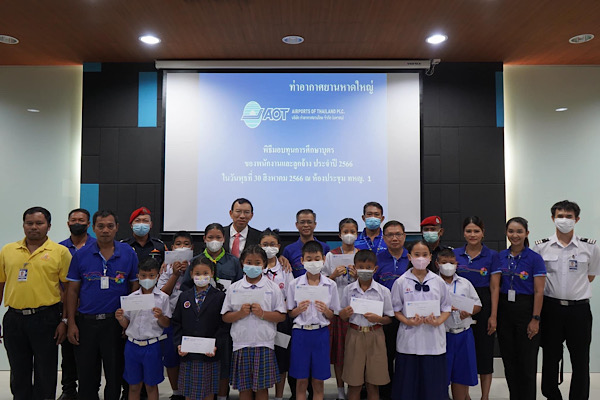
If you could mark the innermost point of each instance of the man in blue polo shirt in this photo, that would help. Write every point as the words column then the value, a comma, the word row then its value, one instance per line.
column 306, row 222
column 371, row 238
column 98, row 276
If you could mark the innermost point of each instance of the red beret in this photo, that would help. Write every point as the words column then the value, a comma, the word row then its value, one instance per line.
column 433, row 220
column 139, row 211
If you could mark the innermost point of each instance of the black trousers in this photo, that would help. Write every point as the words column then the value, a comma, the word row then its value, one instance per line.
column 99, row 341
column 69, row 368
column 572, row 324
column 484, row 343
column 391, row 332
column 30, row 346
column 519, row 354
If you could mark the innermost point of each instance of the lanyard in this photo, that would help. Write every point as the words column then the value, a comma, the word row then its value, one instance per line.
column 368, row 239
column 104, row 265
column 455, row 287
column 513, row 261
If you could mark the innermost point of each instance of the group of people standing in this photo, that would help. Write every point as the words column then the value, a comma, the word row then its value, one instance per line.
column 294, row 311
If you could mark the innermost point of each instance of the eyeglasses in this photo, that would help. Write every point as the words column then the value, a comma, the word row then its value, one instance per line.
column 394, row 235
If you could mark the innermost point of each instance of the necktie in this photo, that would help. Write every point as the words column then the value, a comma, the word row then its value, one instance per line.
column 235, row 247
column 421, row 286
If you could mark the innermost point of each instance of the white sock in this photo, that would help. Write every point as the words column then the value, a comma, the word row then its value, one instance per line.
column 341, row 394
column 221, row 397
column 278, row 398
column 176, row 392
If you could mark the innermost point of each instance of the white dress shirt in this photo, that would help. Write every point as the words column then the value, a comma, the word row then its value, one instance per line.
column 312, row 316
column 461, row 287
column 375, row 292
column 280, row 277
column 164, row 278
column 142, row 323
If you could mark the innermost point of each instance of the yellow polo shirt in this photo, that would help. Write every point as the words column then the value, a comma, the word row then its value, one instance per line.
column 46, row 266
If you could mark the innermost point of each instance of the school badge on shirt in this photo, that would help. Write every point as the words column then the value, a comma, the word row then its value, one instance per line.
column 187, row 304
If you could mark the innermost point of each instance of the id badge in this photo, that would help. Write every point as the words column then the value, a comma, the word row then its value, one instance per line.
column 573, row 265
column 512, row 295
column 22, row 277
column 104, row 282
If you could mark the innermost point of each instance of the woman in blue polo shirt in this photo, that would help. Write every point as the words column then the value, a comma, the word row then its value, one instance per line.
column 477, row 262
column 521, row 295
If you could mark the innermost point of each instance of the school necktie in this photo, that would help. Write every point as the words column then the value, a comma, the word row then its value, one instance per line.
column 421, row 286
column 235, row 247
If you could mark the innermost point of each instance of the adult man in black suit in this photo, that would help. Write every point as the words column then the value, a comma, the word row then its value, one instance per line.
column 239, row 234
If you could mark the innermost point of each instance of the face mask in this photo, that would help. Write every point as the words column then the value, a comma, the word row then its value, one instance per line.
column 147, row 283
column 431, row 237
column 349, row 238
column 372, row 223
column 252, row 271
column 365, row 274
column 214, row 245
column 447, row 269
column 141, row 229
column 201, row 280
column 271, row 251
column 182, row 248
column 78, row 229
column 565, row 225
column 420, row 262
column 314, row 267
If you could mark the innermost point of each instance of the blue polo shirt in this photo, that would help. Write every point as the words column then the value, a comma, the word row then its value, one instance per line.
column 363, row 242
column 389, row 268
column 478, row 269
column 87, row 267
column 293, row 252
column 518, row 272
column 68, row 243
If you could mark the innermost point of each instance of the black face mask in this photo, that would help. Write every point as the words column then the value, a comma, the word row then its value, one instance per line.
column 78, row 229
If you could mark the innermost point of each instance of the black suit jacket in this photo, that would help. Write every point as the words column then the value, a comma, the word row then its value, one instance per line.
column 206, row 322
column 253, row 237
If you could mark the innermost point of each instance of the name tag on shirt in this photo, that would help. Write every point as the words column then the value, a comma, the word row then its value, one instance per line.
column 512, row 295
column 22, row 277
column 104, row 282
column 572, row 265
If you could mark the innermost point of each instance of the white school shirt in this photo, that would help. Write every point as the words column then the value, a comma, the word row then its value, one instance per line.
column 251, row 331
column 423, row 339
column 164, row 278
column 375, row 292
column 142, row 324
column 461, row 287
column 343, row 280
column 281, row 278
column 568, row 267
column 243, row 236
column 312, row 316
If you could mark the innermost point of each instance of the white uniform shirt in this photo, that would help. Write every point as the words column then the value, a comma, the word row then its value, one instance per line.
column 142, row 323
column 568, row 267
column 332, row 261
column 251, row 331
column 461, row 287
column 243, row 236
column 374, row 292
column 423, row 339
column 164, row 278
column 280, row 277
column 312, row 316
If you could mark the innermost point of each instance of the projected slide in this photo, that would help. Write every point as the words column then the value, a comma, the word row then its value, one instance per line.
column 285, row 141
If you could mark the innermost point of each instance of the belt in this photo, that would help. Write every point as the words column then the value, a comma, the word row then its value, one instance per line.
column 309, row 327
column 566, row 303
column 97, row 316
column 457, row 330
column 146, row 342
column 30, row 311
column 365, row 328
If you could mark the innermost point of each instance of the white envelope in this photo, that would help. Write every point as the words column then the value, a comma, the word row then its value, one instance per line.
column 137, row 302
column 250, row 296
column 282, row 340
column 191, row 344
column 311, row 293
column 462, row 303
column 363, row 306
column 423, row 308
column 184, row 254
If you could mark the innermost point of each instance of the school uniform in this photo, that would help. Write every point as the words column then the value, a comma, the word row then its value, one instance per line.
column 478, row 271
column 310, row 333
column 566, row 315
column 293, row 252
column 460, row 343
column 143, row 355
column 519, row 353
column 170, row 358
column 366, row 355
column 253, row 365
column 420, row 369
column 198, row 314
column 227, row 267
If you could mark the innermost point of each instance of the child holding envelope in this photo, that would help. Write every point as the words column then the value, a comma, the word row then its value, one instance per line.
column 144, row 327
column 422, row 304
column 460, row 343
column 365, row 358
column 253, row 305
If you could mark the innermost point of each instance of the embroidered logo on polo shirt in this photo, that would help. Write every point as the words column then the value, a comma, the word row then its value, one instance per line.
column 45, row 257
column 524, row 275
column 281, row 285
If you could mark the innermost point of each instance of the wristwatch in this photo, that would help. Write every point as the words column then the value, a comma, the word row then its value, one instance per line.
column 65, row 321
column 536, row 317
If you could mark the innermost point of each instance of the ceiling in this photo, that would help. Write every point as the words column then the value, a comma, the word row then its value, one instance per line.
column 66, row 32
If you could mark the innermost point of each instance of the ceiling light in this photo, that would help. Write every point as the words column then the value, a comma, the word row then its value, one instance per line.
column 33, row 110
column 586, row 37
column 560, row 109
column 149, row 39
column 8, row 39
column 436, row 39
column 292, row 39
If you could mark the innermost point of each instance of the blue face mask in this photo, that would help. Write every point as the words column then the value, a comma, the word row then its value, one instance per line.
column 431, row 237
column 253, row 271
column 372, row 223
column 140, row 229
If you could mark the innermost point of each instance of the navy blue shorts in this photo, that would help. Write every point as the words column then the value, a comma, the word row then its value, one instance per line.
column 143, row 364
column 170, row 358
column 309, row 355
column 461, row 358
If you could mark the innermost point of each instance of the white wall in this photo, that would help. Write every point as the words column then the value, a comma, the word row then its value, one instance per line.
column 40, row 153
column 552, row 156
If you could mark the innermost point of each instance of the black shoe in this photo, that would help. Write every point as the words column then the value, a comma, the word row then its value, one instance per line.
column 177, row 397
column 125, row 396
column 68, row 396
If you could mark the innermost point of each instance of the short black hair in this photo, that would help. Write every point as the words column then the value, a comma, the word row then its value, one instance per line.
column 372, row 204
column 364, row 256
column 393, row 223
column 270, row 232
column 254, row 249
column 81, row 210
column 104, row 214
column 306, row 211
column 242, row 200
column 37, row 209
column 183, row 234
column 149, row 264
column 566, row 205
column 446, row 252
column 347, row 221
column 312, row 246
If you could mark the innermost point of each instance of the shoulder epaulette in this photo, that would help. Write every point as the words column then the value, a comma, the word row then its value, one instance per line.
column 542, row 241
column 586, row 240
column 157, row 240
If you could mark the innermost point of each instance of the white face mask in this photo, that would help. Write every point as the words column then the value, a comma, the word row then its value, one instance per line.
column 214, row 245
column 201, row 280
column 314, row 267
column 565, row 225
column 271, row 251
column 348, row 238
column 447, row 269
column 420, row 262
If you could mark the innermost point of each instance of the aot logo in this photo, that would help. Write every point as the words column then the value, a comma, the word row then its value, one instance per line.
column 254, row 114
